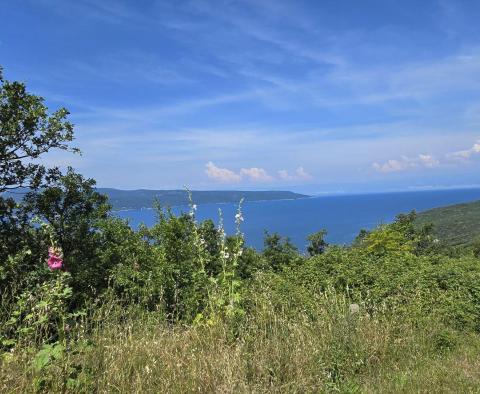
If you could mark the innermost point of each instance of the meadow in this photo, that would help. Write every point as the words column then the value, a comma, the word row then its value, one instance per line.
column 182, row 308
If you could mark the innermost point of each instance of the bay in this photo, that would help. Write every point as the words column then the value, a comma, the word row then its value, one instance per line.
column 343, row 216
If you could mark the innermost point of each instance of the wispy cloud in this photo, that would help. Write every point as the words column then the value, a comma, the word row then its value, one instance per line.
column 256, row 86
column 122, row 67
column 467, row 153
column 109, row 11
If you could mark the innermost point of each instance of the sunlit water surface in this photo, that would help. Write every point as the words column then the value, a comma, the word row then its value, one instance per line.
column 343, row 216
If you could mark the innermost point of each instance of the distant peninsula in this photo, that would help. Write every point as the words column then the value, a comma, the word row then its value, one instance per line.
column 143, row 198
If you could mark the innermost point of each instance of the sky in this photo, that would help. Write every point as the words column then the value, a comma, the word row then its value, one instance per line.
column 324, row 97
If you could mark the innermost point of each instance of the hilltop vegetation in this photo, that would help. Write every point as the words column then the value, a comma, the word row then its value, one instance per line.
column 136, row 199
column 455, row 224
column 143, row 198
column 91, row 305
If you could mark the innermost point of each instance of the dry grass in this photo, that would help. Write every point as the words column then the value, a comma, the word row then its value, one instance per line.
column 270, row 352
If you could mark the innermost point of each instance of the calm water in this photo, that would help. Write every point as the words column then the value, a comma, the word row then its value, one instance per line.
column 342, row 216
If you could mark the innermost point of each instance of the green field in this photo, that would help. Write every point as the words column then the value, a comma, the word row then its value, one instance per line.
column 455, row 224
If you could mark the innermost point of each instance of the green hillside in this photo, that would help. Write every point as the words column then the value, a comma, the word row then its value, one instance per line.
column 456, row 224
column 144, row 198
column 135, row 199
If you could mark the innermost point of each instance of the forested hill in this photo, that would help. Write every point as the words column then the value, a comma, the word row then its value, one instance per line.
column 134, row 199
column 144, row 198
column 455, row 224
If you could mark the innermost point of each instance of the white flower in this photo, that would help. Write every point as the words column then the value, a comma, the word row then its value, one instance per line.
column 226, row 255
column 194, row 207
column 239, row 217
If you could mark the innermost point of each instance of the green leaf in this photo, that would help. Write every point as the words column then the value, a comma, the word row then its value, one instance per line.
column 42, row 358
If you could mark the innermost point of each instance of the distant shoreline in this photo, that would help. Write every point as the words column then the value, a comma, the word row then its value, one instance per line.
column 313, row 196
column 216, row 203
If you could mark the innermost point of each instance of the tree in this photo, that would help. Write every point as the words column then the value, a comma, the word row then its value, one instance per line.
column 317, row 243
column 360, row 238
column 28, row 131
column 73, row 209
column 476, row 248
column 279, row 251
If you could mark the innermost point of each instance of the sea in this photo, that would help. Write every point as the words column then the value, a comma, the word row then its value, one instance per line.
column 343, row 216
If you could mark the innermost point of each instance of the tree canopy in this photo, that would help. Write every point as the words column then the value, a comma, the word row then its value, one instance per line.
column 27, row 132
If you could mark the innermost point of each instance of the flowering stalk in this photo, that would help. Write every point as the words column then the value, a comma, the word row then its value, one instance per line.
column 200, row 250
column 55, row 258
column 55, row 253
column 229, row 284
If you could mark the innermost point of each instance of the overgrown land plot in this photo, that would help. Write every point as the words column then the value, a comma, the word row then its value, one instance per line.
column 91, row 305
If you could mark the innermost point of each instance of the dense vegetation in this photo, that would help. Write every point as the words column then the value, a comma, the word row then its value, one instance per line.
column 91, row 305
column 134, row 199
column 455, row 224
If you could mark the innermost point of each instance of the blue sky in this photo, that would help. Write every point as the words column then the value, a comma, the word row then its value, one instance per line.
column 314, row 96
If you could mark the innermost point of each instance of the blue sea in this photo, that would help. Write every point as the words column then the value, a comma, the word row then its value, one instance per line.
column 341, row 215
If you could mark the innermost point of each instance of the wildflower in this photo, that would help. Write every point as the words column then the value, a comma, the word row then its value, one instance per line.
column 239, row 217
column 194, row 207
column 226, row 255
column 55, row 258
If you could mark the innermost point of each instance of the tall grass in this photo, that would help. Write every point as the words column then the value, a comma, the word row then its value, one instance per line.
column 270, row 350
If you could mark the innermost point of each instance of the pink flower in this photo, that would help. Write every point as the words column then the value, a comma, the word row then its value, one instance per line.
column 55, row 258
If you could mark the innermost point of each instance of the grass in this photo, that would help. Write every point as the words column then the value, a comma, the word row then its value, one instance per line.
column 270, row 351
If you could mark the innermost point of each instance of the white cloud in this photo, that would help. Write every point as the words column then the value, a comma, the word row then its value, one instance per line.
column 256, row 174
column 221, row 174
column 252, row 174
column 467, row 153
column 405, row 163
column 300, row 174
column 283, row 174
column 426, row 160
column 393, row 165
column 225, row 175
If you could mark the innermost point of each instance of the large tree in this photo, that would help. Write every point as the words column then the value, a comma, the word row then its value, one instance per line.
column 28, row 131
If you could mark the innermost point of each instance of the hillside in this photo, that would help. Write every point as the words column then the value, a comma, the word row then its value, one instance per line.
column 456, row 224
column 144, row 198
column 135, row 199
